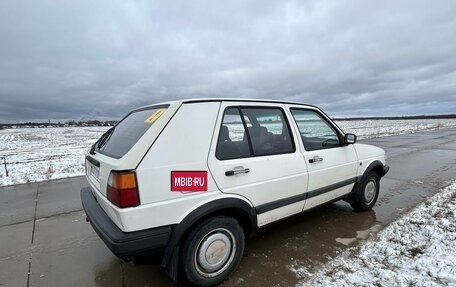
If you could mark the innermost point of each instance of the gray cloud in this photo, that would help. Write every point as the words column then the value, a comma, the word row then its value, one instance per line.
column 98, row 59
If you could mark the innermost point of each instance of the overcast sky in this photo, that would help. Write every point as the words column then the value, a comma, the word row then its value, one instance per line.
column 99, row 59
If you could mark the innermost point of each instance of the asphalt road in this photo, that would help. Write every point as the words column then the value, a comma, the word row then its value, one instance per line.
column 45, row 240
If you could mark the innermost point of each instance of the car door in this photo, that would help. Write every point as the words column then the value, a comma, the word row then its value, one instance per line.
column 332, row 165
column 254, row 154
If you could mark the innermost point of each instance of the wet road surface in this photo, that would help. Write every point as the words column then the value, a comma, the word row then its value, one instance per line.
column 45, row 240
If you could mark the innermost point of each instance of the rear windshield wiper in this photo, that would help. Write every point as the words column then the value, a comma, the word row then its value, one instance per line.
column 92, row 149
column 104, row 138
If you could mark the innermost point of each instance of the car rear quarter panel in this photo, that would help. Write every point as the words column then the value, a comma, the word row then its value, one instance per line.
column 182, row 146
column 163, row 213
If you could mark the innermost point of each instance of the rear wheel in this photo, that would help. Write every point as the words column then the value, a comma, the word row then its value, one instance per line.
column 367, row 193
column 212, row 251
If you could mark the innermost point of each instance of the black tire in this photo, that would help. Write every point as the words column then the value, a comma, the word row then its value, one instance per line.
column 215, row 235
column 366, row 193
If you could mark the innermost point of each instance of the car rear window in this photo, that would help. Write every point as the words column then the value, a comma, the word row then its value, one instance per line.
column 118, row 140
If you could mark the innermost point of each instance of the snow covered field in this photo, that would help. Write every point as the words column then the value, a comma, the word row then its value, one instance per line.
column 379, row 128
column 50, row 153
column 419, row 249
column 45, row 153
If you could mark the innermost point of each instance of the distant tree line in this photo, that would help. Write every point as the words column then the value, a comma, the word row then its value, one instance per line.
column 49, row 124
column 418, row 117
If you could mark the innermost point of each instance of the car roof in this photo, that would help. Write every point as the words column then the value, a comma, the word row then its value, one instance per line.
column 203, row 100
column 240, row 100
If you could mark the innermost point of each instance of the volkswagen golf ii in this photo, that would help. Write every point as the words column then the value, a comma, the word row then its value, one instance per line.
column 188, row 181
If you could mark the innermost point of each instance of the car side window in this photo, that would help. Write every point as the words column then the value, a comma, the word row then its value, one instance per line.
column 316, row 132
column 232, row 142
column 269, row 131
column 248, row 132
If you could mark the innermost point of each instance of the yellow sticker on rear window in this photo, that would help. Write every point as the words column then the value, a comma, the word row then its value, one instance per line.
column 157, row 114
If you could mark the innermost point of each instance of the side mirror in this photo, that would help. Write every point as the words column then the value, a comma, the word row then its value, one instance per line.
column 350, row 139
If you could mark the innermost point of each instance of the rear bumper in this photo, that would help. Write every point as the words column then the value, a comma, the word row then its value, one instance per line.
column 123, row 244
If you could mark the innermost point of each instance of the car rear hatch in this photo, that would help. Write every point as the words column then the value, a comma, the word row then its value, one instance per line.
column 122, row 147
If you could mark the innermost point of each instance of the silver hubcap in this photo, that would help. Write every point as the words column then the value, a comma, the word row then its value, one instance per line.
column 369, row 191
column 215, row 252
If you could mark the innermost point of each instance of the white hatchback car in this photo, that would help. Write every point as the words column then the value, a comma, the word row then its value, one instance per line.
column 189, row 180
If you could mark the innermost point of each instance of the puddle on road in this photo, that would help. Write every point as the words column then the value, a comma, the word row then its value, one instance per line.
column 304, row 240
column 360, row 235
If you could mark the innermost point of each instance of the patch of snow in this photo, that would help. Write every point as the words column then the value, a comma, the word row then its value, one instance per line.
column 419, row 249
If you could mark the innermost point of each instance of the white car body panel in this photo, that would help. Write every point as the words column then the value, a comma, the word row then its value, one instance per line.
column 326, row 197
column 174, row 151
column 279, row 213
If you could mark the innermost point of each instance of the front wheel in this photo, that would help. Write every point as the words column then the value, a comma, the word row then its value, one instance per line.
column 212, row 251
column 367, row 193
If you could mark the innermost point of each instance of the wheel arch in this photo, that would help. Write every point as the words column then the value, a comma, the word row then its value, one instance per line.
column 233, row 207
column 376, row 166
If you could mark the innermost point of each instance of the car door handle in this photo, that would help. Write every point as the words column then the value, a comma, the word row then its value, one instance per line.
column 237, row 170
column 315, row 159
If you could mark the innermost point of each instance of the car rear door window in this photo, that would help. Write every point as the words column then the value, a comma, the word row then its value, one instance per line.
column 252, row 131
column 118, row 140
column 316, row 132
column 269, row 132
column 232, row 142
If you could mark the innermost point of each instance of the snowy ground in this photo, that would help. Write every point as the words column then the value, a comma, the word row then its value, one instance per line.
column 380, row 128
column 45, row 153
column 50, row 153
column 417, row 250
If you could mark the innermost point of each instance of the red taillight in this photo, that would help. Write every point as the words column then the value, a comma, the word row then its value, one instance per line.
column 122, row 189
